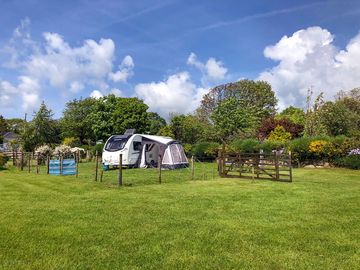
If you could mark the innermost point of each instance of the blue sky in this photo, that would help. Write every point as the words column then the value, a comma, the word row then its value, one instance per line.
column 169, row 53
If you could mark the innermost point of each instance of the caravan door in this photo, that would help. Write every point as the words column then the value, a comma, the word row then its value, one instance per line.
column 135, row 151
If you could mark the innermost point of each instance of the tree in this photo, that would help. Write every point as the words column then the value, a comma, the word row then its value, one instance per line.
column 269, row 124
column 238, row 108
column 295, row 115
column 279, row 134
column 335, row 117
column 155, row 123
column 16, row 125
column 43, row 129
column 313, row 123
column 76, row 121
column 4, row 126
column 113, row 115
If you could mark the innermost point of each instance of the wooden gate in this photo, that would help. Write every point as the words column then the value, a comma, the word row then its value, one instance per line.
column 273, row 166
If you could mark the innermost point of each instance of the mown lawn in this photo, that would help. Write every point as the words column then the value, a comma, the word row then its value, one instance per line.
column 52, row 222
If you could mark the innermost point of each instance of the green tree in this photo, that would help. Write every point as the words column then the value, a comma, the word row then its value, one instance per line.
column 16, row 125
column 335, row 117
column 238, row 108
column 4, row 126
column 155, row 123
column 313, row 123
column 77, row 121
column 43, row 129
column 295, row 115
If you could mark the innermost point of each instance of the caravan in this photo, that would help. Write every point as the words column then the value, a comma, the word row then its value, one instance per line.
column 141, row 150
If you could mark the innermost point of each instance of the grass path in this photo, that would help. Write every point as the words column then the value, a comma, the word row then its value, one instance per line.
column 49, row 222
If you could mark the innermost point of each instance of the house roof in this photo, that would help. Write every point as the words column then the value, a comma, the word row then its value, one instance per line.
column 9, row 136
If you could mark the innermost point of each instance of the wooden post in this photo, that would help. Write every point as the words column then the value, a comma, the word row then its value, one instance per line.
column 290, row 166
column 101, row 175
column 159, row 166
column 22, row 161
column 120, row 171
column 96, row 165
column 220, row 163
column 29, row 163
column 61, row 164
column 47, row 164
column 77, row 167
column 13, row 157
column 192, row 168
column 37, row 163
column 277, row 165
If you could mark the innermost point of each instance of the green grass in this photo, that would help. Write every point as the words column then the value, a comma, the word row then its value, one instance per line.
column 52, row 222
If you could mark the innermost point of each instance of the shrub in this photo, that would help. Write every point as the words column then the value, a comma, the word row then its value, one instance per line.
column 187, row 148
column 3, row 160
column 269, row 124
column 71, row 141
column 269, row 146
column 350, row 161
column 206, row 150
column 44, row 150
column 300, row 149
column 246, row 146
column 279, row 134
column 99, row 148
column 62, row 150
column 318, row 147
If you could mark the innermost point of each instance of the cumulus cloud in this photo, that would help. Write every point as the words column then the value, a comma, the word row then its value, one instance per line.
column 27, row 89
column 175, row 94
column 308, row 58
column 125, row 70
column 56, row 65
column 212, row 70
column 96, row 94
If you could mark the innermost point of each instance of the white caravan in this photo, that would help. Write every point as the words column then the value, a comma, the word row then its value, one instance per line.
column 141, row 150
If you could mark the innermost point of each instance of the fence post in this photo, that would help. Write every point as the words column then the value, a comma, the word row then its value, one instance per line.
column 192, row 168
column 37, row 163
column 159, row 166
column 120, row 171
column 277, row 165
column 220, row 163
column 96, row 165
column 77, row 164
column 47, row 164
column 22, row 161
column 290, row 166
column 29, row 163
column 13, row 157
column 61, row 164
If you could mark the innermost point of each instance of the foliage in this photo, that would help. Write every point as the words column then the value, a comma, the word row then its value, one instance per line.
column 155, row 123
column 300, row 149
column 270, row 145
column 113, row 115
column 279, row 134
column 350, row 161
column 165, row 131
column 1, row 139
column 71, row 141
column 318, row 147
column 313, row 122
column 187, row 148
column 44, row 150
column 16, row 125
column 98, row 148
column 3, row 160
column 4, row 126
column 335, row 118
column 246, row 146
column 62, row 150
column 269, row 124
column 238, row 107
column 295, row 115
column 206, row 150
column 77, row 119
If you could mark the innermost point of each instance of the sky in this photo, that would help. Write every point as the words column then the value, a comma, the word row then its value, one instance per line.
column 171, row 52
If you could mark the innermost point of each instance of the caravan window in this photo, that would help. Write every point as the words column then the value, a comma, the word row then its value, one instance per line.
column 137, row 146
column 115, row 144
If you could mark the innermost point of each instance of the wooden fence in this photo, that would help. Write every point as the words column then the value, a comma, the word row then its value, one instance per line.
column 273, row 166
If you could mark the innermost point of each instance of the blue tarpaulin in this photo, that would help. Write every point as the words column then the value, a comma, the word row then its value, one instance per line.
column 68, row 167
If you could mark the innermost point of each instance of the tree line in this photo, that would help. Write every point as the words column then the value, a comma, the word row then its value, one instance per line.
column 229, row 112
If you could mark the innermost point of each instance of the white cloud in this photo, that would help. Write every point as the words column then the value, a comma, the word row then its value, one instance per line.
column 308, row 58
column 125, row 70
column 76, row 87
column 175, row 94
column 96, row 94
column 27, row 89
column 116, row 92
column 212, row 70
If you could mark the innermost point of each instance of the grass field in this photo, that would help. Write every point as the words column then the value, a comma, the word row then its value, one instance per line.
column 52, row 222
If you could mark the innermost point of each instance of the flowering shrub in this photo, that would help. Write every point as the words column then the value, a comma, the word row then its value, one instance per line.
column 354, row 152
column 44, row 150
column 62, row 150
column 318, row 147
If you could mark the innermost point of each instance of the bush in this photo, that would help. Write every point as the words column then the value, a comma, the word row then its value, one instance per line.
column 279, row 134
column 3, row 160
column 99, row 148
column 318, row 148
column 206, row 150
column 246, row 146
column 71, row 141
column 300, row 149
column 269, row 146
column 351, row 161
